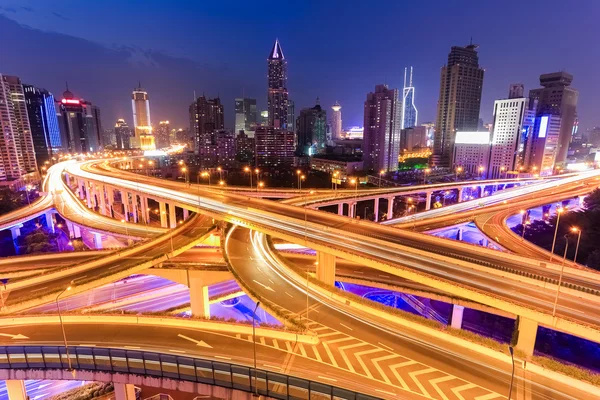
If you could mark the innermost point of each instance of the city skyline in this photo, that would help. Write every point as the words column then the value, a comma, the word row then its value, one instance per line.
column 145, row 64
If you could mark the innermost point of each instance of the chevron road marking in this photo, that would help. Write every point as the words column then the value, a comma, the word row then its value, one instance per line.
column 397, row 375
column 329, row 334
column 375, row 362
column 276, row 344
column 345, row 357
column 468, row 386
column 434, row 383
column 344, row 339
column 362, row 363
column 317, row 353
column 301, row 347
column 335, row 364
column 414, row 374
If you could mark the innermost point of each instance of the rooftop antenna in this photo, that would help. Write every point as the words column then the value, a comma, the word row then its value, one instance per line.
column 471, row 43
column 194, row 96
column 410, row 82
column 67, row 85
column 404, row 76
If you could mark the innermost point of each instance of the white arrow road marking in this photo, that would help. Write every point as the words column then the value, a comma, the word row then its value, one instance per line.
column 414, row 374
column 263, row 285
column 375, row 362
column 488, row 396
column 18, row 336
column 201, row 343
column 39, row 396
column 397, row 375
column 362, row 363
column 463, row 387
column 43, row 385
column 434, row 383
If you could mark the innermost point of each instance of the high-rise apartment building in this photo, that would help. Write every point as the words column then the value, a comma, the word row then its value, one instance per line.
column 225, row 148
column 277, row 98
column 17, row 156
column 461, row 83
column 162, row 135
column 123, row 135
column 383, row 113
column 273, row 148
column 556, row 97
column 336, row 121
column 311, row 130
column 245, row 115
column 244, row 148
column 409, row 110
column 43, row 123
column 206, row 117
column 79, row 123
column 140, row 103
column 291, row 119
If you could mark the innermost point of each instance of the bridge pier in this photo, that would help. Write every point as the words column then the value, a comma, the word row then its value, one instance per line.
column 457, row 316
column 97, row 240
column 81, row 185
column 49, row 220
column 172, row 216
column 352, row 210
column 527, row 334
column 15, row 231
column 16, row 390
column 162, row 207
column 341, row 209
column 376, row 209
column 102, row 198
column 124, row 391
column 88, row 195
column 326, row 267
column 390, row 209
column 125, row 202
column 145, row 210
column 459, row 235
column 460, row 195
column 134, row 207
column 428, row 201
column 186, row 214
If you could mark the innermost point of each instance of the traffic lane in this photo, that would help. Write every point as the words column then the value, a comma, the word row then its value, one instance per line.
column 196, row 229
column 287, row 296
column 167, row 340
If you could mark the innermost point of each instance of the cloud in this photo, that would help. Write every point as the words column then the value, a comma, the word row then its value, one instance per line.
column 8, row 9
column 25, row 8
column 57, row 15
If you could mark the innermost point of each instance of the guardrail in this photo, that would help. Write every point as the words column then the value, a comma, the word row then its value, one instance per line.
column 159, row 365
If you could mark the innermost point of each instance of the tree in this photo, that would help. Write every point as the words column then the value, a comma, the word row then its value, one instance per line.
column 592, row 201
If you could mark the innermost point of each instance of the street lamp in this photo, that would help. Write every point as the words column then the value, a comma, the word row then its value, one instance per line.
column 481, row 172
column 354, row 181
column 446, row 193
column 257, row 171
column 562, row 269
column 334, row 179
column 222, row 183
column 62, row 326
column 260, row 185
column 524, row 226
column 502, row 169
column 302, row 177
column 298, row 172
column 456, row 172
column 254, row 346
column 380, row 174
column 558, row 212
column 206, row 175
column 425, row 172
column 220, row 173
column 185, row 170
column 575, row 229
column 247, row 169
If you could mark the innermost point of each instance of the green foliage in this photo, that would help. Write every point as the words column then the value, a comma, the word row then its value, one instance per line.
column 38, row 241
column 89, row 391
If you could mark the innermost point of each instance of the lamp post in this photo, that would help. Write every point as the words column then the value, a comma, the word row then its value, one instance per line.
column 380, row 174
column 254, row 346
column 562, row 269
column 62, row 326
column 305, row 215
column 334, row 177
column 220, row 173
column 558, row 212
column 298, row 172
column 247, row 169
column 456, row 172
column 260, row 185
column 257, row 171
column 302, row 177
column 27, row 189
column 481, row 169
column 446, row 193
column 425, row 172
column 354, row 181
column 206, row 175
column 575, row 229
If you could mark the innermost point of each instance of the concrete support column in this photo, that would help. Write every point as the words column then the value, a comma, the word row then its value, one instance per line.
column 376, row 209
column 16, row 390
column 457, row 316
column 199, row 299
column 326, row 268
column 76, row 231
column 352, row 210
column 101, row 198
column 110, row 195
column 88, row 195
column 460, row 195
column 527, row 334
column 144, row 209
column 341, row 209
column 49, row 220
column 485, row 242
column 162, row 207
column 15, row 231
column 481, row 191
column 428, row 201
column 97, row 240
column 390, row 210
column 81, row 186
column 134, row 207
column 459, row 235
column 124, row 391
column 172, row 216
column 125, row 201
column 186, row 214
column 581, row 200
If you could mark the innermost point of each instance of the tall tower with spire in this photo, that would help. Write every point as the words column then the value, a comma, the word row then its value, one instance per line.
column 336, row 121
column 277, row 82
column 143, row 138
column 409, row 110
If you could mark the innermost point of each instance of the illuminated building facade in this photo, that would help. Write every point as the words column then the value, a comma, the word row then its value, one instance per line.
column 206, row 117
column 143, row 137
column 383, row 111
column 542, row 145
column 162, row 135
column 291, row 119
column 122, row 135
column 79, row 123
column 461, row 83
column 45, row 133
column 245, row 115
column 244, row 147
column 273, row 148
column 277, row 98
column 311, row 131
column 17, row 156
column 409, row 110
column 336, row 121
column 472, row 151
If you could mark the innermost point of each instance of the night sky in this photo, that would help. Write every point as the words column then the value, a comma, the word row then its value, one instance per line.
column 336, row 50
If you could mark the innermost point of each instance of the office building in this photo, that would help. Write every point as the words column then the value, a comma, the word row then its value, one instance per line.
column 556, row 97
column 79, row 123
column 274, row 148
column 542, row 145
column 245, row 115
column 311, row 130
column 123, row 135
column 244, row 148
column 206, row 117
column 143, row 136
column 382, row 120
column 45, row 133
column 291, row 119
column 17, row 155
column 108, row 139
column 336, row 121
column 516, row 91
column 163, row 132
column 510, row 118
column 461, row 83
column 264, row 118
column 409, row 110
column 414, row 138
column 277, row 98
column 225, row 148
column 472, row 152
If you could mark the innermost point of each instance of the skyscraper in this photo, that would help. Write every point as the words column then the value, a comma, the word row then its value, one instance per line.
column 122, row 135
column 461, row 83
column 409, row 110
column 206, row 117
column 17, row 156
column 43, row 123
column 162, row 135
column 79, row 122
column 541, row 144
column 291, row 119
column 273, row 148
column 555, row 97
column 140, row 104
column 381, row 146
column 277, row 99
column 245, row 115
column 336, row 121
column 311, row 130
